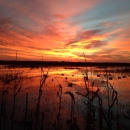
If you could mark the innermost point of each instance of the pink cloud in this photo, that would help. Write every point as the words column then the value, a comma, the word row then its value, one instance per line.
column 109, row 24
column 95, row 44
column 34, row 26
column 47, row 8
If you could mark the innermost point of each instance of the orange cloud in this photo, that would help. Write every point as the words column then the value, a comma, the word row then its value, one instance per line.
column 62, row 30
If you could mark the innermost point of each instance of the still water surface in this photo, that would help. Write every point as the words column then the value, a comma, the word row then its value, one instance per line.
column 71, row 79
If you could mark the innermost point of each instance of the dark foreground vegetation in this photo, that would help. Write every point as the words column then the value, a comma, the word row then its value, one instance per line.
column 97, row 114
column 60, row 63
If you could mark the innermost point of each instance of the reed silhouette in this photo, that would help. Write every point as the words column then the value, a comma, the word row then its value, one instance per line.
column 96, row 114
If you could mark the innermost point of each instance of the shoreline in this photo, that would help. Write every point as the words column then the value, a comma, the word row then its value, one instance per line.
column 62, row 63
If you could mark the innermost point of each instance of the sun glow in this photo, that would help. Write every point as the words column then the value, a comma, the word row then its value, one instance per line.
column 55, row 33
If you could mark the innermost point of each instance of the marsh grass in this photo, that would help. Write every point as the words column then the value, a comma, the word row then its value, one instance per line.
column 99, row 113
column 42, row 81
column 13, row 80
column 105, row 116
column 59, row 94
column 26, row 112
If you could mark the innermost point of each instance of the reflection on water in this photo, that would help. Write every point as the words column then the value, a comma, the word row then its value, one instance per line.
column 71, row 79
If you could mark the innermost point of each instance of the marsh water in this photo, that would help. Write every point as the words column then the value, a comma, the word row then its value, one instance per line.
column 70, row 79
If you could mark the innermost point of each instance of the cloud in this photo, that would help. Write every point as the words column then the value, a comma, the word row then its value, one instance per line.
column 4, row 22
column 65, row 28
column 84, row 35
column 47, row 9
column 60, row 16
column 108, row 24
column 104, row 55
column 95, row 44
column 5, row 25
column 88, row 34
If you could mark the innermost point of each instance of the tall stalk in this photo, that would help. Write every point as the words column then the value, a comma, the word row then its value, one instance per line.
column 26, row 111
column 108, row 98
column 16, row 91
column 3, row 107
column 59, row 112
column 72, row 119
column 6, row 81
column 42, row 81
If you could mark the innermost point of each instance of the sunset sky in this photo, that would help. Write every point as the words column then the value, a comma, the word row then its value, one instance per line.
column 65, row 30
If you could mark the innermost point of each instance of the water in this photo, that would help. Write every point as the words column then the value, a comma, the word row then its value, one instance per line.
column 70, row 79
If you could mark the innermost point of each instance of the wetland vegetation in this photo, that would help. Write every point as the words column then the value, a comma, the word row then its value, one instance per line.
column 64, row 97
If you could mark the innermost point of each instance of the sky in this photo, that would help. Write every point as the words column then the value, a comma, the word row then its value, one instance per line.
column 65, row 30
